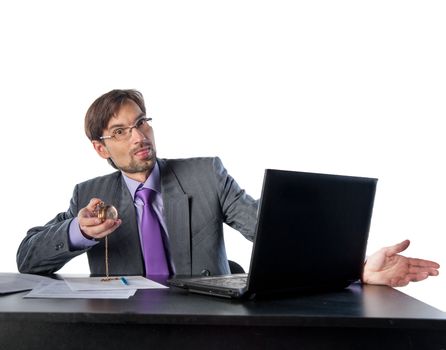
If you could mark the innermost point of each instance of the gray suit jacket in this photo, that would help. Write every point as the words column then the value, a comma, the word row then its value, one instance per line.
column 199, row 196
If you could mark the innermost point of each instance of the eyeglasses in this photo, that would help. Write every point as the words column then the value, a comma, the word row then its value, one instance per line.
column 121, row 134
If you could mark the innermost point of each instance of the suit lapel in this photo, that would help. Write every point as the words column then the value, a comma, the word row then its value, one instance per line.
column 127, row 249
column 176, row 210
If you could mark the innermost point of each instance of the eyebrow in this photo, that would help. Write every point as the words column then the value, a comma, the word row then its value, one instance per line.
column 117, row 126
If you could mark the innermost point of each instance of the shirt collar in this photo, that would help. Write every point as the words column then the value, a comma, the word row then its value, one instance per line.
column 153, row 181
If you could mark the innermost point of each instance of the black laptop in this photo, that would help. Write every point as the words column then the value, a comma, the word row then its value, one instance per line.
column 311, row 235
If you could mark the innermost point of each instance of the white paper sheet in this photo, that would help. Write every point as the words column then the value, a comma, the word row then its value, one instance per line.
column 98, row 284
column 60, row 290
column 18, row 282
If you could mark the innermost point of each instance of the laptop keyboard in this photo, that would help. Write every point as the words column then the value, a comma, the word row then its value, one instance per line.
column 229, row 282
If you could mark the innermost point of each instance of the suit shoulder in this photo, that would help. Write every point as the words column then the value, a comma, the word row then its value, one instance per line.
column 197, row 167
column 103, row 180
column 194, row 163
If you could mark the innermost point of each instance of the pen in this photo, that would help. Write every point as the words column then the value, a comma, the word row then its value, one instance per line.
column 124, row 281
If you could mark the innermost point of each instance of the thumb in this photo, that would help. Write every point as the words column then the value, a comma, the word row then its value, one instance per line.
column 93, row 203
column 398, row 248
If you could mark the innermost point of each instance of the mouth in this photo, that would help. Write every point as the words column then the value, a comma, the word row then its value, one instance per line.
column 145, row 152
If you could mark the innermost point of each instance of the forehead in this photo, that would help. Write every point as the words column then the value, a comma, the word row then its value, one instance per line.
column 126, row 115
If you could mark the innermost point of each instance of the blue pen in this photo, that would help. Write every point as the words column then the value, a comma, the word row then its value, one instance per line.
column 124, row 281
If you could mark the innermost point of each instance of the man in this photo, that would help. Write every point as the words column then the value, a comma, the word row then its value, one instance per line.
column 188, row 202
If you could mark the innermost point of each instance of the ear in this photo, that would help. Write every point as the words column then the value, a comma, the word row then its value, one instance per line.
column 101, row 149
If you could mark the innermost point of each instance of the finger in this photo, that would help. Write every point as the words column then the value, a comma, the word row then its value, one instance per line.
column 418, row 276
column 398, row 248
column 413, row 277
column 88, row 211
column 399, row 283
column 114, row 224
column 433, row 272
column 429, row 270
column 88, row 221
column 423, row 263
column 103, row 229
column 96, row 226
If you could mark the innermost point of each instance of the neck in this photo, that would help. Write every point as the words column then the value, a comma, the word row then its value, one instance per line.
column 140, row 177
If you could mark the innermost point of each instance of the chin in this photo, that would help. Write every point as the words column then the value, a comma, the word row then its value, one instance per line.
column 142, row 167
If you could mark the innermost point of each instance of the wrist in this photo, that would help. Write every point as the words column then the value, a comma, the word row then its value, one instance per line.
column 90, row 238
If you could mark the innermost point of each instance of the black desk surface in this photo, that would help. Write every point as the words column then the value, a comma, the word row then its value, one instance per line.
column 360, row 315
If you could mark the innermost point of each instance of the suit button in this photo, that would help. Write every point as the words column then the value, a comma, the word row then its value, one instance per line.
column 205, row 273
column 59, row 246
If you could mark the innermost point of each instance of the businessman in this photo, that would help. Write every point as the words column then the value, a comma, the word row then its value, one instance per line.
column 171, row 211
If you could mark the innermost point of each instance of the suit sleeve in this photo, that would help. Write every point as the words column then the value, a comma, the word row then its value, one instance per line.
column 239, row 209
column 45, row 249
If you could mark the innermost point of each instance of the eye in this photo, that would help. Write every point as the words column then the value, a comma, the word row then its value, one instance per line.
column 141, row 122
column 119, row 131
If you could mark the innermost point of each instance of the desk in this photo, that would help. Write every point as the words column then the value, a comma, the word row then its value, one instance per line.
column 360, row 317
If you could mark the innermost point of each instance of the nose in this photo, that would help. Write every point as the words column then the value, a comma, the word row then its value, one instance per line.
column 137, row 135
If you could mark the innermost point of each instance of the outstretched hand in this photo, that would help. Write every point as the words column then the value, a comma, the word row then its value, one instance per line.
column 387, row 267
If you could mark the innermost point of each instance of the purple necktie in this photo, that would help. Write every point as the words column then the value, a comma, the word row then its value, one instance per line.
column 152, row 242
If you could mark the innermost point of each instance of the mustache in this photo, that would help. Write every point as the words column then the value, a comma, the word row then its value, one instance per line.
column 142, row 145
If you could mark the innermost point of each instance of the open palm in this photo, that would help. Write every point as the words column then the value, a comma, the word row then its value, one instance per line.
column 388, row 267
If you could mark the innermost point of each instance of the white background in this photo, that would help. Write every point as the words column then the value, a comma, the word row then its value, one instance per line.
column 345, row 87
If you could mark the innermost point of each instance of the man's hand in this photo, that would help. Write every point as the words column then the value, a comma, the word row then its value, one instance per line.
column 91, row 226
column 387, row 267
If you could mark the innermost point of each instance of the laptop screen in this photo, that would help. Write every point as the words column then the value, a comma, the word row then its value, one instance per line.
column 312, row 231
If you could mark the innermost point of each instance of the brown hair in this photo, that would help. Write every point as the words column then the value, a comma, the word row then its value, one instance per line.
column 107, row 106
